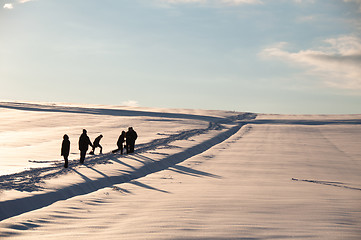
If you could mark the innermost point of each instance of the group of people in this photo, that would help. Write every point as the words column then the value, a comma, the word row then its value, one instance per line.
column 128, row 137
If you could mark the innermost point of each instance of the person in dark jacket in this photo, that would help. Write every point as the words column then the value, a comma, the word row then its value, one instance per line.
column 120, row 142
column 130, row 136
column 96, row 144
column 65, row 149
column 84, row 143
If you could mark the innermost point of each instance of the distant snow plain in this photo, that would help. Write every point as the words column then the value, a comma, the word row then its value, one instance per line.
column 195, row 174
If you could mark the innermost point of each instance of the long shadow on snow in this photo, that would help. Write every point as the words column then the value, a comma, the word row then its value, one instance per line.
column 104, row 111
column 29, row 180
column 139, row 184
column 192, row 172
column 15, row 207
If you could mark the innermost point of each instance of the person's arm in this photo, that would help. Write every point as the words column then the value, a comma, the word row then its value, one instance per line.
column 62, row 148
column 89, row 142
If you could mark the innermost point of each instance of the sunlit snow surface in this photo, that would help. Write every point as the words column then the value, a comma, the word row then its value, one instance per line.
column 196, row 174
column 31, row 134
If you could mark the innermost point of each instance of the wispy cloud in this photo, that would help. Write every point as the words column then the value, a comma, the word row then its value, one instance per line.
column 304, row 1
column 184, row 1
column 8, row 6
column 309, row 18
column 337, row 64
column 358, row 2
column 224, row 2
column 238, row 2
column 11, row 5
column 130, row 103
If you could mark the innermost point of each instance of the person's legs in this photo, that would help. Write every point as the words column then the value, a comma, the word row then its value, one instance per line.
column 82, row 156
column 66, row 161
column 101, row 149
column 93, row 149
column 132, row 147
column 127, row 147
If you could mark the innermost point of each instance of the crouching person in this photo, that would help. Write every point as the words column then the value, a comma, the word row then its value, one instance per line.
column 96, row 144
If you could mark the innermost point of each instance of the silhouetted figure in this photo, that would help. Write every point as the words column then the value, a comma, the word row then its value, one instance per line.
column 120, row 142
column 130, row 136
column 96, row 144
column 84, row 143
column 65, row 149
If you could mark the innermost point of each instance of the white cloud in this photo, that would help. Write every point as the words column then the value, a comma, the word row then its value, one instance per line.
column 337, row 64
column 8, row 6
column 24, row 1
column 130, row 103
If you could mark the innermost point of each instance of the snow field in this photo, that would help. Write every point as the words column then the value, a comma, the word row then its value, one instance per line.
column 286, row 178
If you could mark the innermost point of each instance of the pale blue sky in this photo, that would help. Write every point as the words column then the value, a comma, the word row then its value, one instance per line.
column 274, row 56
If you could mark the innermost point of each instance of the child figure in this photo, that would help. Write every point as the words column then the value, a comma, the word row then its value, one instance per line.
column 96, row 144
column 65, row 149
column 120, row 142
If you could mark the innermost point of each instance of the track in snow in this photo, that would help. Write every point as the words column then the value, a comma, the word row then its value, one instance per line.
column 31, row 180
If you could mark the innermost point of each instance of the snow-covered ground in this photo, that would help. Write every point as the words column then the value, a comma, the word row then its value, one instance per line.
column 196, row 174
